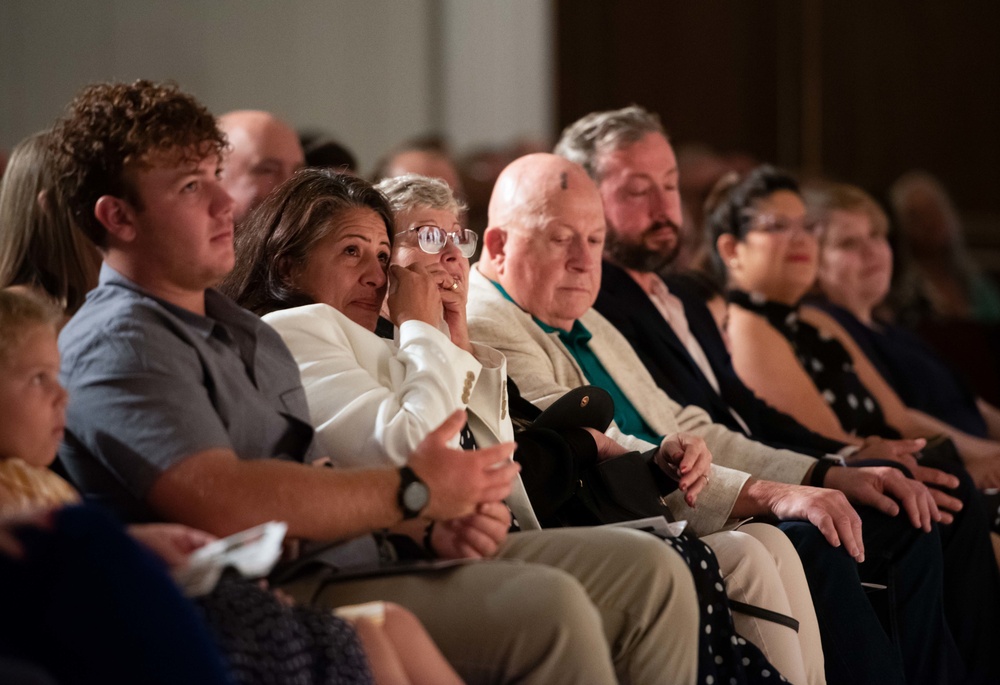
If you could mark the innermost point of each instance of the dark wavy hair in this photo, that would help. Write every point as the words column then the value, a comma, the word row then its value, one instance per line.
column 276, row 237
column 727, row 205
column 111, row 129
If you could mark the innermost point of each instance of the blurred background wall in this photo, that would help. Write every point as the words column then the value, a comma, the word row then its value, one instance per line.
column 856, row 90
column 369, row 72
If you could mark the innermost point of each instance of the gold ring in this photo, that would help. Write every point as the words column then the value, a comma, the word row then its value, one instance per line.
column 705, row 477
column 454, row 286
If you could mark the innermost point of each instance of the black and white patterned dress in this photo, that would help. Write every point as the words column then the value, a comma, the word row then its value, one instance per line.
column 267, row 642
column 827, row 363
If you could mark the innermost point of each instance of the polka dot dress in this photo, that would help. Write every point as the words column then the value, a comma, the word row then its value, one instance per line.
column 828, row 364
column 724, row 657
column 266, row 642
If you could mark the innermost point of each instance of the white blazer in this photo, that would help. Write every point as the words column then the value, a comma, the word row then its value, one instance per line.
column 544, row 370
column 372, row 400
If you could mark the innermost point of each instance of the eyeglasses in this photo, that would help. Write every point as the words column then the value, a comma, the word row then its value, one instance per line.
column 780, row 225
column 432, row 239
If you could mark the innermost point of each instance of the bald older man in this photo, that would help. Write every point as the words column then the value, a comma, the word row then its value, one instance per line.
column 264, row 152
column 531, row 297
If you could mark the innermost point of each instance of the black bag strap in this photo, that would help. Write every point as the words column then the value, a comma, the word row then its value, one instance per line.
column 765, row 614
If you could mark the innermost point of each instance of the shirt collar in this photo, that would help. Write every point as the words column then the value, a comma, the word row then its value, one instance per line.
column 577, row 334
column 218, row 307
column 647, row 280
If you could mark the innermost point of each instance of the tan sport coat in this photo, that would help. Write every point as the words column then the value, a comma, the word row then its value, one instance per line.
column 544, row 370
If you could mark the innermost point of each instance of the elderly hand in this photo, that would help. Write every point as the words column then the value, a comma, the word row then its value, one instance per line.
column 413, row 295
column 881, row 486
column 454, row 292
column 686, row 459
column 472, row 537
column 459, row 480
column 826, row 509
column 172, row 542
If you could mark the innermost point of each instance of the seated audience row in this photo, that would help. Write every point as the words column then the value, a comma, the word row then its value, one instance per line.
column 186, row 408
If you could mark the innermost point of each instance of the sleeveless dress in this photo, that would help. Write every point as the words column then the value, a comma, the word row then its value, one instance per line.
column 827, row 363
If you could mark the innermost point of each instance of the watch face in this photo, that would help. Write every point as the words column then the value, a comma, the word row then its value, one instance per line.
column 415, row 496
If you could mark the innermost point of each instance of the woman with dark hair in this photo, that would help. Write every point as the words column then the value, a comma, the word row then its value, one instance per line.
column 380, row 397
column 804, row 364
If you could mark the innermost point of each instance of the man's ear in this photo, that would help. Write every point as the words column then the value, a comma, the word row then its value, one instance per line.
column 494, row 243
column 726, row 245
column 117, row 216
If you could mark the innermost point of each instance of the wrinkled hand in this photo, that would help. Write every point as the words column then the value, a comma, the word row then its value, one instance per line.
column 454, row 303
column 472, row 537
column 37, row 518
column 902, row 451
column 607, row 448
column 172, row 542
column 686, row 459
column 452, row 298
column 826, row 509
column 885, row 488
column 459, row 480
column 413, row 295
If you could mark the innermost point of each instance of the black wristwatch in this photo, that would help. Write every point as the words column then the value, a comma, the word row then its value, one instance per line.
column 413, row 493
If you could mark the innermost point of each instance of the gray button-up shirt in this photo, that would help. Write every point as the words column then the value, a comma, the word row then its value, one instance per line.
column 151, row 384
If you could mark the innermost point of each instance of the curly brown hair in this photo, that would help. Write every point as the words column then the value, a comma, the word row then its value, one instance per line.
column 111, row 129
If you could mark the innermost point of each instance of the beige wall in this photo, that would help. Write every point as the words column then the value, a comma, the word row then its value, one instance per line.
column 372, row 72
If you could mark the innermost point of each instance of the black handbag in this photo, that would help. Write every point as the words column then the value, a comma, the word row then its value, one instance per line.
column 623, row 489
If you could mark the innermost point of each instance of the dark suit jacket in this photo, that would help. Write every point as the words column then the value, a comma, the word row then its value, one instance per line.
column 628, row 308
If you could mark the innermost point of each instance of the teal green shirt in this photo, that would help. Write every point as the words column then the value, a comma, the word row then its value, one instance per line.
column 577, row 342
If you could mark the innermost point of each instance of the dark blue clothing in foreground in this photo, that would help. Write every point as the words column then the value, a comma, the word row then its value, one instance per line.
column 89, row 605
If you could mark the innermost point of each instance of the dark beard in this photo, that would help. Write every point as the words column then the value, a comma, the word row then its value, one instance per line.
column 636, row 256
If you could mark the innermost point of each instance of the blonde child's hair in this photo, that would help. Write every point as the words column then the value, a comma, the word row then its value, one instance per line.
column 22, row 486
column 20, row 311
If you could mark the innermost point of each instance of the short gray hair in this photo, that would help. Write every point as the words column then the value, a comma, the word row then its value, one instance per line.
column 410, row 191
column 585, row 140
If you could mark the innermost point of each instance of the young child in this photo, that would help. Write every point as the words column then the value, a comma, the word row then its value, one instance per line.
column 32, row 406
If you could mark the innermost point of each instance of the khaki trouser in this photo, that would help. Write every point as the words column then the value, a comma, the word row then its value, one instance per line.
column 761, row 567
column 574, row 605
